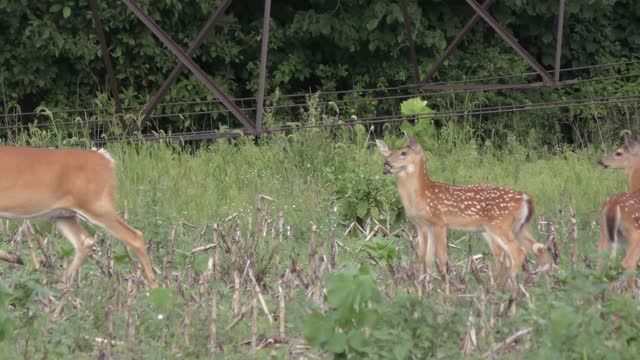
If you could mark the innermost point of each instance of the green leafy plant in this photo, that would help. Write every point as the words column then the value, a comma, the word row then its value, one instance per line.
column 360, row 323
column 423, row 129
column 361, row 195
column 382, row 248
column 351, row 292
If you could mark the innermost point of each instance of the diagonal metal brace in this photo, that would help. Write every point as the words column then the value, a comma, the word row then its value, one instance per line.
column 454, row 44
column 510, row 40
column 186, row 60
column 200, row 38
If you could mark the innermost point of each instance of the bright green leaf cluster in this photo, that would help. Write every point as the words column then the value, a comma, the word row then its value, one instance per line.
column 351, row 294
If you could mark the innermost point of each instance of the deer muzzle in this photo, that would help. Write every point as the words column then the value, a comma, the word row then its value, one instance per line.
column 387, row 168
column 601, row 163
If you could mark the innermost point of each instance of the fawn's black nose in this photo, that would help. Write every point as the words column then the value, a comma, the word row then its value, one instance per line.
column 387, row 168
column 602, row 164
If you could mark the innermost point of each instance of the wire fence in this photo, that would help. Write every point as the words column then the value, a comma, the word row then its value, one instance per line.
column 415, row 87
column 494, row 110
column 103, row 116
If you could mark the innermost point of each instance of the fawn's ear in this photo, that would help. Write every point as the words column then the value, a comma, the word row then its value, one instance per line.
column 629, row 141
column 412, row 142
column 633, row 145
column 384, row 148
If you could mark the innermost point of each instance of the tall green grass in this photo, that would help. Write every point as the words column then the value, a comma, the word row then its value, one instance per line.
column 172, row 183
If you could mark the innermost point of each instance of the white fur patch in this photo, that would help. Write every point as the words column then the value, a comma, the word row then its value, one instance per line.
column 411, row 168
column 105, row 153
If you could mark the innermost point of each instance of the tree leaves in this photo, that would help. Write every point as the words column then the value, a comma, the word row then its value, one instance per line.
column 53, row 57
column 55, row 8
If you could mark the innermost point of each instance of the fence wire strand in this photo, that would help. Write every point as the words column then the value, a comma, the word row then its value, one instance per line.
column 415, row 87
column 210, row 134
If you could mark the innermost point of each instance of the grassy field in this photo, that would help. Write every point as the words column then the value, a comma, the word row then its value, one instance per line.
column 348, row 295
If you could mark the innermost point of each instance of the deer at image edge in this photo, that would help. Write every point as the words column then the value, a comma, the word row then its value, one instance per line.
column 620, row 213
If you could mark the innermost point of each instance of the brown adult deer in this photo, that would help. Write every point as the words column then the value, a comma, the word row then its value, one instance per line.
column 500, row 214
column 620, row 213
column 63, row 185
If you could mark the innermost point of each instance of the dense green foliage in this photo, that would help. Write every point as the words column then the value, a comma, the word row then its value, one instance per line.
column 350, row 292
column 51, row 56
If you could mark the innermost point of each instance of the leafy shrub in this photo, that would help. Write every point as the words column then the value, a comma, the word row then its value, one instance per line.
column 583, row 319
column 412, row 328
column 382, row 248
column 341, row 330
column 361, row 195
column 361, row 324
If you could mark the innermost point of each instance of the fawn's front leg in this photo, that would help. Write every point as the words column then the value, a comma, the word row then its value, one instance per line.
column 630, row 260
column 440, row 242
column 604, row 242
column 426, row 245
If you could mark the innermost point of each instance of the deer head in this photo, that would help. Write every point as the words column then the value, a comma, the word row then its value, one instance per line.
column 623, row 157
column 401, row 161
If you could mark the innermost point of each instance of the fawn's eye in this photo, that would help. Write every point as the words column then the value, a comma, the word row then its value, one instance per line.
column 403, row 153
column 618, row 153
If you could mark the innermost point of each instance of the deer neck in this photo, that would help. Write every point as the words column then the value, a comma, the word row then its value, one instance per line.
column 412, row 184
column 633, row 175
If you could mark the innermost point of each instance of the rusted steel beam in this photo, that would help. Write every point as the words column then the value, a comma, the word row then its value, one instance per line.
column 559, row 41
column 510, row 40
column 197, row 71
column 263, row 64
column 412, row 46
column 454, row 44
column 199, row 40
column 489, row 87
column 113, row 82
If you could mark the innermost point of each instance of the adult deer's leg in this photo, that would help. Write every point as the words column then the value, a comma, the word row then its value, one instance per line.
column 132, row 238
column 83, row 243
